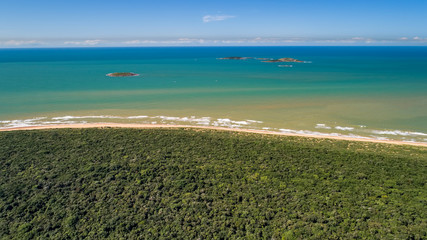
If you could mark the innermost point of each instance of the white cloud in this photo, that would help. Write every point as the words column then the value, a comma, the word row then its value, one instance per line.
column 268, row 41
column 275, row 40
column 210, row 18
column 133, row 42
column 262, row 40
column 193, row 41
column 233, row 41
column 136, row 42
column 86, row 42
column 19, row 42
column 174, row 41
column 419, row 39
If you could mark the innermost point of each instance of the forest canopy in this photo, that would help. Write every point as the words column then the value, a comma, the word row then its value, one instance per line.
column 192, row 183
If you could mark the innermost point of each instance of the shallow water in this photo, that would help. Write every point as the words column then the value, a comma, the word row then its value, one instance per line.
column 374, row 92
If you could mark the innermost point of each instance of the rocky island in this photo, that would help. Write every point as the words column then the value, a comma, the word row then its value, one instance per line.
column 284, row 60
column 235, row 58
column 263, row 59
column 122, row 74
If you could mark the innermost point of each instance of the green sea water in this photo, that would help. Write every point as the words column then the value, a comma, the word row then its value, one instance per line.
column 371, row 92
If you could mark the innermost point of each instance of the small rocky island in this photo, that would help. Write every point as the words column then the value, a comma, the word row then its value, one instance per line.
column 122, row 74
column 263, row 59
column 235, row 58
column 284, row 60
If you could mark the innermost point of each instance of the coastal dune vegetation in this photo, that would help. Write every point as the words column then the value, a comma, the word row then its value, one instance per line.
column 110, row 183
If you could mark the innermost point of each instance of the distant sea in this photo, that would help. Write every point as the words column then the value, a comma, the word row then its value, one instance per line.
column 361, row 92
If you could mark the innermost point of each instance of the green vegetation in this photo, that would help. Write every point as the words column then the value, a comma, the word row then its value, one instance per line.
column 206, row 184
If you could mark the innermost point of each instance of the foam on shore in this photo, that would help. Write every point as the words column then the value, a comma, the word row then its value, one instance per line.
column 360, row 132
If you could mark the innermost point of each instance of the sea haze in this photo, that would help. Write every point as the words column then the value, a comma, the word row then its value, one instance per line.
column 365, row 92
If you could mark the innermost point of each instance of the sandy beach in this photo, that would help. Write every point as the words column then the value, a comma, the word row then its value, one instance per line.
column 124, row 125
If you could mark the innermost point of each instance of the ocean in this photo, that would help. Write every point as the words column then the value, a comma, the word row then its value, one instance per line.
column 360, row 92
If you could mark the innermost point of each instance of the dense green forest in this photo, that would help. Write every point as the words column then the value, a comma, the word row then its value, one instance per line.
column 206, row 184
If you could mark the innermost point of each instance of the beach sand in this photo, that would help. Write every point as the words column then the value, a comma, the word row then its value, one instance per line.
column 141, row 126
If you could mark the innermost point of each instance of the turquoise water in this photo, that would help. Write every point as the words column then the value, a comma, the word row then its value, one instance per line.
column 373, row 92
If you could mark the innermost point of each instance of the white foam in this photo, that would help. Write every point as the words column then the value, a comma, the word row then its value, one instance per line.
column 254, row 121
column 22, row 123
column 168, row 118
column 35, row 119
column 192, row 119
column 19, row 124
column 240, row 122
column 228, row 121
column 206, row 121
column 398, row 132
column 203, row 120
column 344, row 128
column 222, row 122
column 225, row 122
column 321, row 125
column 85, row 117
column 307, row 132
column 137, row 117
column 43, row 121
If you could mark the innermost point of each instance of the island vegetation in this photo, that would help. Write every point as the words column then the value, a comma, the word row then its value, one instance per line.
column 203, row 184
column 122, row 74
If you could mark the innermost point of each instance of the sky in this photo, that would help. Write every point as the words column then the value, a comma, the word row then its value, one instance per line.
column 103, row 23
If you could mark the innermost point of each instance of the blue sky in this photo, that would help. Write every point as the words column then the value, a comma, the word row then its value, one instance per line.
column 79, row 23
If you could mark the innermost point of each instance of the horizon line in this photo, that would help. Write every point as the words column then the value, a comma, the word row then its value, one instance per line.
column 198, row 46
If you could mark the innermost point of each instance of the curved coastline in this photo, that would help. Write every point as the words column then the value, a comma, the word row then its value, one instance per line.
column 147, row 126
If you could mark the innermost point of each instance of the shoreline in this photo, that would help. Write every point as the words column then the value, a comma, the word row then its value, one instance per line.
column 147, row 126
